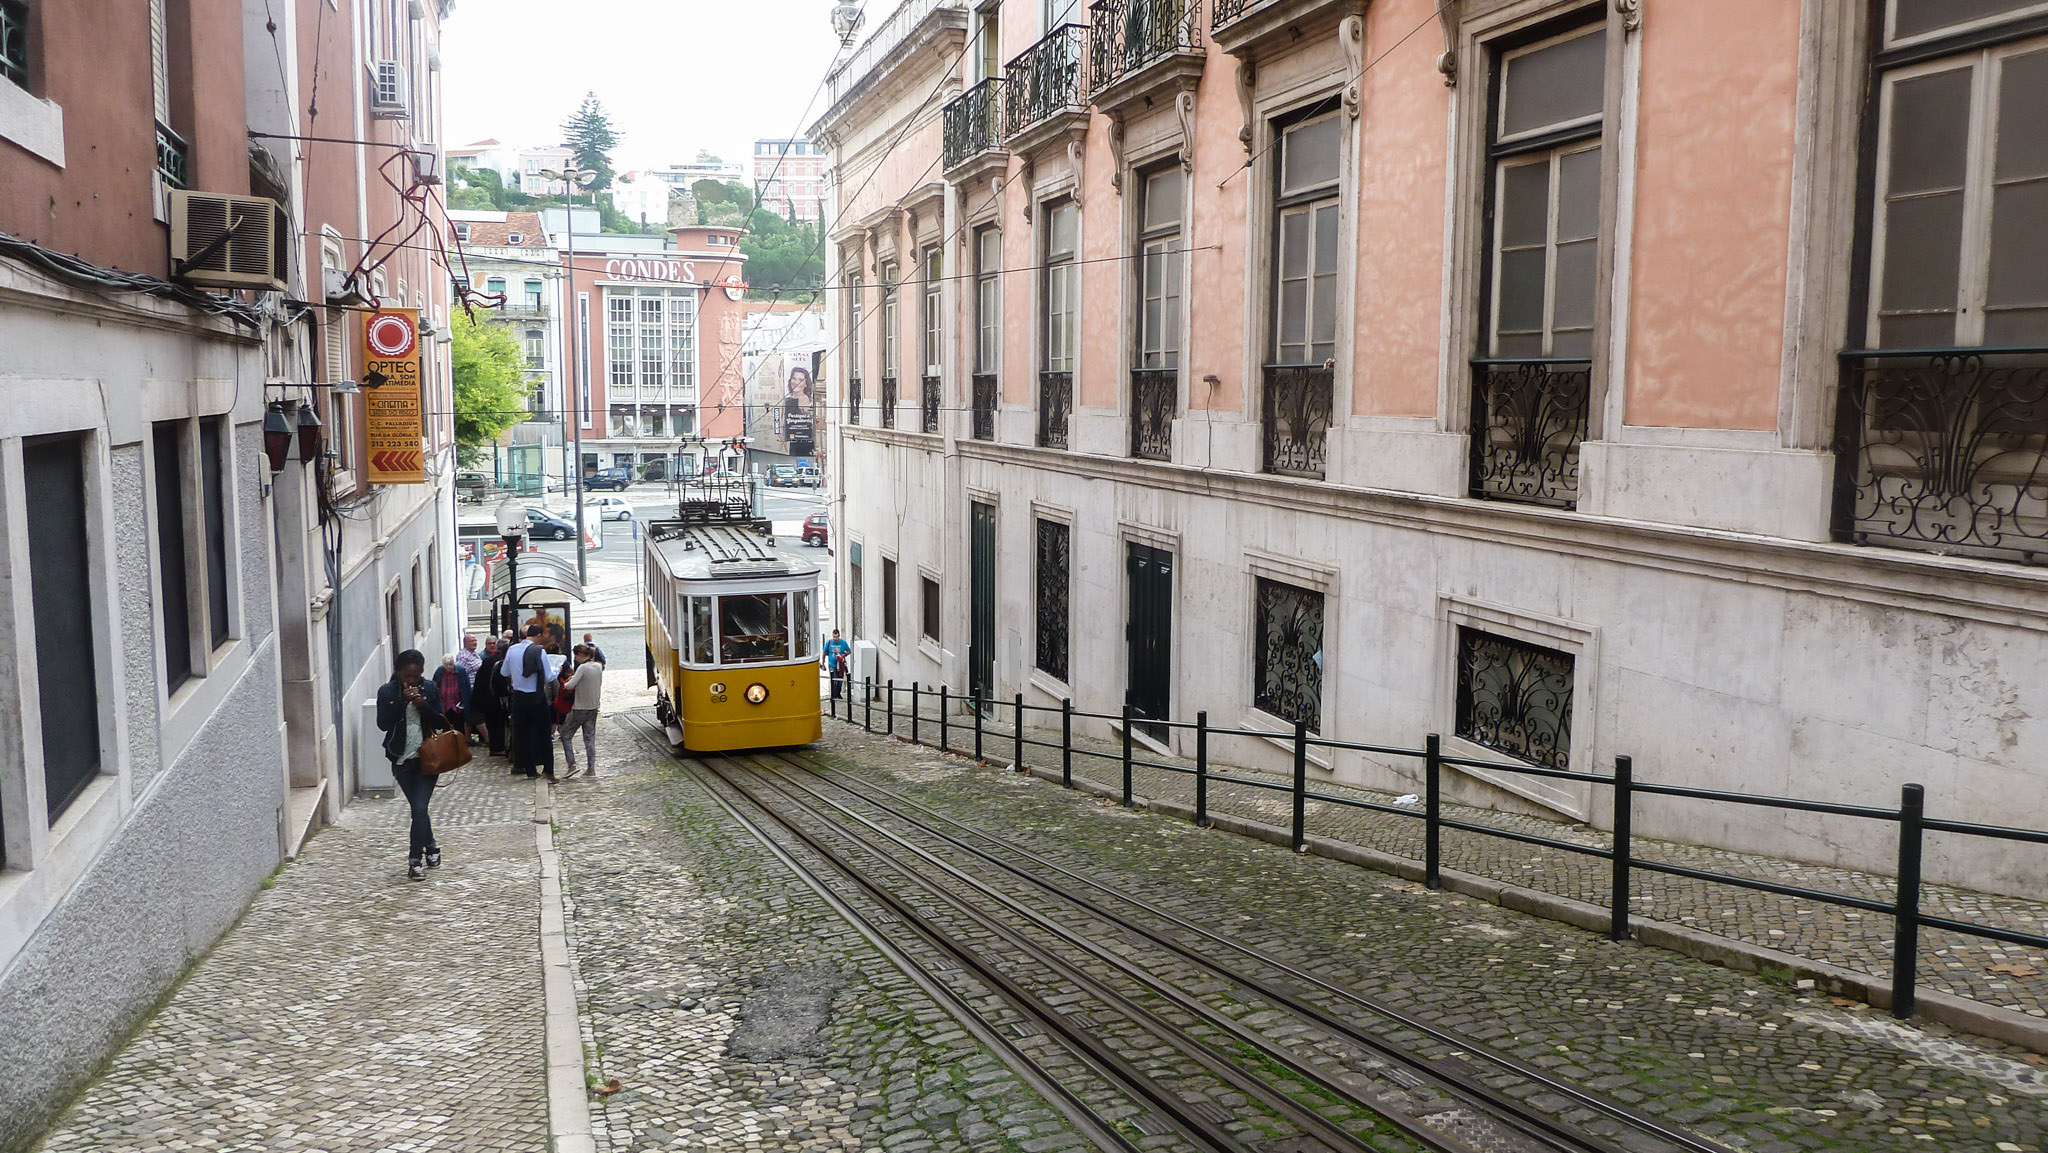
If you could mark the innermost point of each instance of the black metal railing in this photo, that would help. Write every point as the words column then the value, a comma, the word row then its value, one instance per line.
column 1055, row 408
column 888, row 402
column 972, row 123
column 1222, row 12
column 1528, row 419
column 1055, row 726
column 984, row 406
column 14, row 41
column 1131, row 35
column 1296, row 419
column 1154, row 401
column 1046, row 79
column 173, row 156
column 853, row 399
column 929, row 392
column 1944, row 450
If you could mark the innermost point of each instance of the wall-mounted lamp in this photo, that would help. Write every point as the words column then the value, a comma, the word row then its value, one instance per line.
column 309, row 434
column 277, row 436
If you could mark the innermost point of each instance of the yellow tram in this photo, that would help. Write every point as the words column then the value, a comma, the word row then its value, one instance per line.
column 732, row 639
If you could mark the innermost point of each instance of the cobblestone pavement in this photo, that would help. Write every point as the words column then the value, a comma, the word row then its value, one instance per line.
column 736, row 1010
column 1757, row 1064
column 2007, row 976
column 353, row 1009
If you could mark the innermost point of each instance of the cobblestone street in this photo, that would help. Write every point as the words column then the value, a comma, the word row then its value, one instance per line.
column 352, row 1009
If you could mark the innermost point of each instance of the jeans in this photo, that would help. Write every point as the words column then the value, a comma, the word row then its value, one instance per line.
column 585, row 719
column 533, row 746
column 418, row 788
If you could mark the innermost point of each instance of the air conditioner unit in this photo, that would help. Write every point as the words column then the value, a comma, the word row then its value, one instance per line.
column 222, row 241
column 335, row 289
column 389, row 93
column 426, row 163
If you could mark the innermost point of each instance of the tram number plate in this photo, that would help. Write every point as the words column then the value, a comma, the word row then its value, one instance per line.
column 717, row 692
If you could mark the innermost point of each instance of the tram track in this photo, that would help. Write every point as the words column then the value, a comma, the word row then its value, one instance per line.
column 1129, row 998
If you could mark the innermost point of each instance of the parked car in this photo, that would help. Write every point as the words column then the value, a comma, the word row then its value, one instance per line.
column 809, row 477
column 471, row 485
column 615, row 479
column 610, row 508
column 782, row 476
column 817, row 529
column 545, row 525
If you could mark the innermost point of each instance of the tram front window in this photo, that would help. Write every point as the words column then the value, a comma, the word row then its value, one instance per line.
column 803, row 624
column 753, row 627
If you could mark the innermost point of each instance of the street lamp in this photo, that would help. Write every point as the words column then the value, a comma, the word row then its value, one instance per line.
column 572, row 179
column 512, row 528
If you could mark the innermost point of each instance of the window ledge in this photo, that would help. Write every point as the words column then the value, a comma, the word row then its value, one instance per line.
column 36, row 125
column 1281, row 736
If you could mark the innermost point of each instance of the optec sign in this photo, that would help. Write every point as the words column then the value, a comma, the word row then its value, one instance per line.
column 391, row 349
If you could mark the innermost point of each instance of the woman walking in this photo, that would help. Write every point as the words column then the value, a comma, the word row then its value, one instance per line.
column 409, row 712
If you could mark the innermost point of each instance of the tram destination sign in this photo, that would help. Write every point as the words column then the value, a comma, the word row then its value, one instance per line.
column 397, row 435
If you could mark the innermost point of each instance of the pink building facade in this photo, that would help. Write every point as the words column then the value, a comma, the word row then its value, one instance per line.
column 789, row 179
column 1572, row 380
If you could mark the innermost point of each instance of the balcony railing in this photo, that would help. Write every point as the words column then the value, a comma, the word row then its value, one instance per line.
column 928, row 405
column 880, row 46
column 984, row 406
column 1154, row 400
column 1297, row 419
column 888, row 402
column 172, row 155
column 1131, row 35
column 1222, row 12
column 1055, row 408
column 1046, row 80
column 1944, row 450
column 1528, row 419
column 853, row 399
column 973, row 123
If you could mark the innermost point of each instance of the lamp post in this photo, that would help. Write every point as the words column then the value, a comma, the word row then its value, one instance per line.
column 512, row 528
column 572, row 179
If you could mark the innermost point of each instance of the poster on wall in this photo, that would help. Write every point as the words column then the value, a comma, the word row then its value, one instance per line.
column 395, row 445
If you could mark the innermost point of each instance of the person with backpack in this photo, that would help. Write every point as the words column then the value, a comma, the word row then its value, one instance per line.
column 526, row 666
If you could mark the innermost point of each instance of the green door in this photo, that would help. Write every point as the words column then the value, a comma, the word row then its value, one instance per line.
column 981, row 640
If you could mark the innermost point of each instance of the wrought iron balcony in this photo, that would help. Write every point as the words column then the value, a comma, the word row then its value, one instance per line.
column 1154, row 400
column 1297, row 419
column 1055, row 408
column 1222, row 12
column 1944, row 450
column 973, row 123
column 1046, row 80
column 984, row 406
column 853, row 399
column 928, row 405
column 1132, row 35
column 172, row 156
column 1528, row 419
column 883, row 50
column 888, row 402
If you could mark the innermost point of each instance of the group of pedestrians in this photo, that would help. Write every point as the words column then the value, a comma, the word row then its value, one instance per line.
column 516, row 695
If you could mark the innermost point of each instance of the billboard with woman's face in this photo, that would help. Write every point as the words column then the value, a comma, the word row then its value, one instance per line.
column 798, row 428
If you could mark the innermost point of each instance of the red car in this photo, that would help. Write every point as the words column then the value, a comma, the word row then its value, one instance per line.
column 816, row 529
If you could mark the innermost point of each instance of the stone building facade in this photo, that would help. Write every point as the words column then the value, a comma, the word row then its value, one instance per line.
column 1569, row 379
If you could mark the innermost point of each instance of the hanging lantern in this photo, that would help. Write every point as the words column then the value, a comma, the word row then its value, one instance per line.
column 309, row 434
column 277, row 436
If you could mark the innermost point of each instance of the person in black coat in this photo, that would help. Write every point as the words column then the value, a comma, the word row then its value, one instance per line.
column 409, row 712
column 487, row 697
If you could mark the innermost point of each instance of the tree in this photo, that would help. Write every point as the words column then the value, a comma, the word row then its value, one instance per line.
column 781, row 257
column 590, row 134
column 490, row 384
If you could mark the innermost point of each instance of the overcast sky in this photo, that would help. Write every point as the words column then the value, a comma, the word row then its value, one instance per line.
column 676, row 75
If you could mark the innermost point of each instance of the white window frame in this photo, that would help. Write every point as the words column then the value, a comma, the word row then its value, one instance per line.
column 892, row 307
column 1310, row 203
column 1891, row 10
column 988, row 302
column 1060, row 273
column 1163, row 243
column 934, row 309
column 1553, row 158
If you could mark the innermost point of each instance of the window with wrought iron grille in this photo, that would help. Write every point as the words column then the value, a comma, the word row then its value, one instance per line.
column 934, row 311
column 988, row 298
column 1287, row 672
column 1305, row 258
column 1159, row 269
column 1515, row 697
column 1053, row 582
column 1546, row 148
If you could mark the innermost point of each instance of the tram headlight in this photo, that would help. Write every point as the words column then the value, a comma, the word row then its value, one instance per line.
column 757, row 693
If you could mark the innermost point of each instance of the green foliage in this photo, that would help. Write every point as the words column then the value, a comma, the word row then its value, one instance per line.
column 490, row 382
column 610, row 219
column 589, row 132
column 781, row 255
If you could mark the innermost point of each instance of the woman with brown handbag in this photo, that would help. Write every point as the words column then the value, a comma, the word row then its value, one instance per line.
column 409, row 713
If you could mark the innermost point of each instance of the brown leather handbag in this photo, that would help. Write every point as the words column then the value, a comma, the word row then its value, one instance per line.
column 445, row 750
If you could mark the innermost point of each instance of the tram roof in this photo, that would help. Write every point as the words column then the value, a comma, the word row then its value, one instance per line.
column 722, row 551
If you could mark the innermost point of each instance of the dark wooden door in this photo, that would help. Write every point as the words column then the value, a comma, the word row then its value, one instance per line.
column 981, row 639
column 1149, row 631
